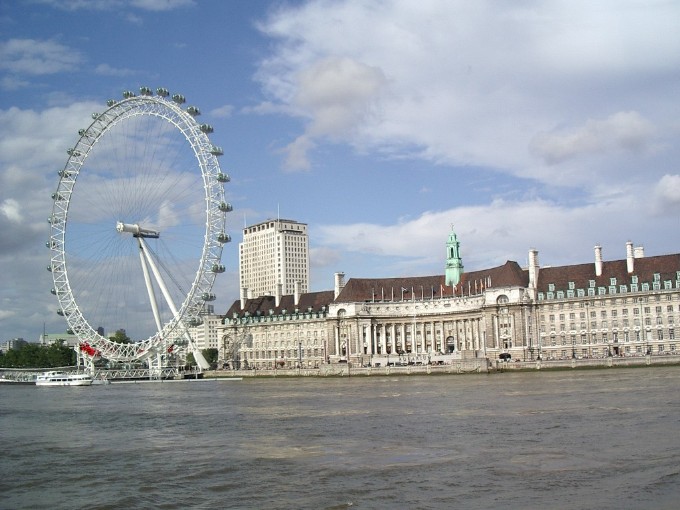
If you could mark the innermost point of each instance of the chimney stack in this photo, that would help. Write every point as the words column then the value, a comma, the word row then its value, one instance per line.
column 339, row 284
column 244, row 293
column 639, row 252
column 279, row 291
column 598, row 260
column 296, row 295
column 629, row 257
column 533, row 268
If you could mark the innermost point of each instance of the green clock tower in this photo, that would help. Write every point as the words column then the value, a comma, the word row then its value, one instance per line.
column 454, row 264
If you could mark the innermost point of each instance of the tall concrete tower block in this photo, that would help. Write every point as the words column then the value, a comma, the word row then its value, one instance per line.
column 273, row 253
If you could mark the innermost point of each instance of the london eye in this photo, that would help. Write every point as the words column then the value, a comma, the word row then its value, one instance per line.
column 137, row 229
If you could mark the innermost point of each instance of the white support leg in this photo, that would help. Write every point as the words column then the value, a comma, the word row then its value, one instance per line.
column 198, row 356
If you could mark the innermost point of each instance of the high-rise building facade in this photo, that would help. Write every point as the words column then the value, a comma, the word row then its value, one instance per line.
column 274, row 252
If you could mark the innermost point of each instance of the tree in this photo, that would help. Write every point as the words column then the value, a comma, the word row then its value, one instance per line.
column 120, row 337
column 31, row 355
column 210, row 355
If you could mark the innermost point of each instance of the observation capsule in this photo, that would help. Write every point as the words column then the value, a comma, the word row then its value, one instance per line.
column 223, row 177
column 73, row 152
column 128, row 94
column 81, row 132
column 216, row 151
column 57, row 197
column 110, row 102
column 226, row 207
column 179, row 98
column 95, row 116
column 160, row 91
column 64, row 173
column 195, row 322
column 206, row 128
column 218, row 268
column 193, row 110
column 223, row 237
column 145, row 91
column 208, row 296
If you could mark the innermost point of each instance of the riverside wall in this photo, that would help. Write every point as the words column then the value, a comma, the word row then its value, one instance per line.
column 473, row 366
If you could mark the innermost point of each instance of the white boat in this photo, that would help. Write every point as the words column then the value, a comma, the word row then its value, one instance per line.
column 63, row 379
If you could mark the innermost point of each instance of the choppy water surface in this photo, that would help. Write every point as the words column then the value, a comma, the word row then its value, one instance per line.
column 601, row 439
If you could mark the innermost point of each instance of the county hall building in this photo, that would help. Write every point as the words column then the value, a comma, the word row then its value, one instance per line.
column 623, row 307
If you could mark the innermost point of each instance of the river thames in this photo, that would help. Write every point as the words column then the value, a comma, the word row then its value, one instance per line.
column 583, row 439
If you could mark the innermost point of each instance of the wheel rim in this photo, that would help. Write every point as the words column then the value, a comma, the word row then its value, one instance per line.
column 143, row 161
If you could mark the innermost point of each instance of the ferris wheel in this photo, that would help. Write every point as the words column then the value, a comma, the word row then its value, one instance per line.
column 137, row 229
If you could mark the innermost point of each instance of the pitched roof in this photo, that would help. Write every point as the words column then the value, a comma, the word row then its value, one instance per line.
column 509, row 274
column 262, row 304
column 387, row 289
column 644, row 268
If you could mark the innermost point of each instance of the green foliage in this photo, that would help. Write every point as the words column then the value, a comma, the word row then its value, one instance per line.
column 210, row 355
column 32, row 355
column 120, row 337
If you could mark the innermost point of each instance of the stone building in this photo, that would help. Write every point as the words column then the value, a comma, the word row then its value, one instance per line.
column 622, row 307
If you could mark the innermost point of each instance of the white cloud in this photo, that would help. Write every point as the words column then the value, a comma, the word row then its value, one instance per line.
column 491, row 234
column 621, row 131
column 11, row 83
column 667, row 195
column 107, row 70
column 471, row 83
column 337, row 95
column 35, row 57
column 109, row 5
column 10, row 210
column 30, row 143
column 324, row 257
column 161, row 5
column 223, row 112
column 296, row 153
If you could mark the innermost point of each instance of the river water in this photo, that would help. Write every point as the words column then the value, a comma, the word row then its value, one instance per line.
column 605, row 439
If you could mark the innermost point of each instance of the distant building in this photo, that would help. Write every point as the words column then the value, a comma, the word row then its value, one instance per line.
column 58, row 338
column 14, row 343
column 624, row 307
column 205, row 335
column 274, row 253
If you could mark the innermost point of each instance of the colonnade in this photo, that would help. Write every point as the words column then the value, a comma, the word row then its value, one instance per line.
column 357, row 336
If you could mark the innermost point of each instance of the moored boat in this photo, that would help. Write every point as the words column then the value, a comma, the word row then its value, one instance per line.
column 63, row 379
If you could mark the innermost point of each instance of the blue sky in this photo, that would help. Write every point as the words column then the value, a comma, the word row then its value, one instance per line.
column 538, row 124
